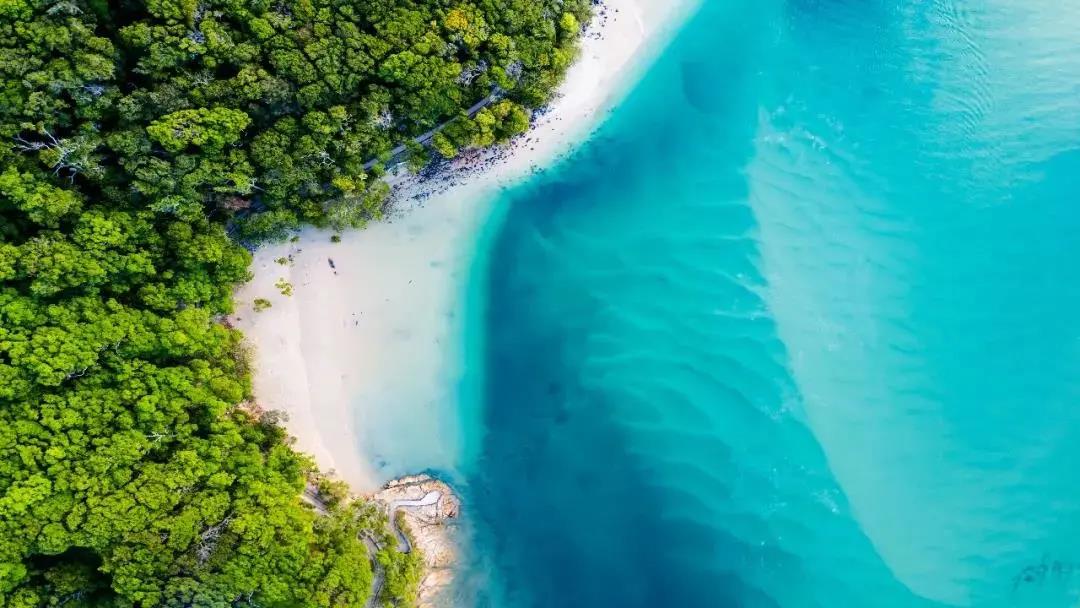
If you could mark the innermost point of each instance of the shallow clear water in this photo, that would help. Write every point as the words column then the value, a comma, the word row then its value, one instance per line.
column 798, row 327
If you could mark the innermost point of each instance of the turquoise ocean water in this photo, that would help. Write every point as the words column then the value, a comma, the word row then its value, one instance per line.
column 798, row 327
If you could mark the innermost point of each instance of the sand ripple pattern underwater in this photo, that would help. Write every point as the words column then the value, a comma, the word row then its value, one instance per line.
column 798, row 327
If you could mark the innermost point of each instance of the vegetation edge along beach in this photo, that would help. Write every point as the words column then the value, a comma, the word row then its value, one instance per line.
column 364, row 353
column 148, row 146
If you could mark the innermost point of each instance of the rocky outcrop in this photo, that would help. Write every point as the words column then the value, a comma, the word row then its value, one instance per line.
column 430, row 509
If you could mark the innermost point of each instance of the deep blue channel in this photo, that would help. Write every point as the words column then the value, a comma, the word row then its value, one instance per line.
column 798, row 326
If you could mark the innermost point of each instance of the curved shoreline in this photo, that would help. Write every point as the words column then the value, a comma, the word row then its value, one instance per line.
column 357, row 355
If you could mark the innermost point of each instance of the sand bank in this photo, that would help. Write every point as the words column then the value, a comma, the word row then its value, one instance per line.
column 361, row 356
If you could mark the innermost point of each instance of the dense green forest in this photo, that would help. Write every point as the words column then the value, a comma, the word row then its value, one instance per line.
column 143, row 145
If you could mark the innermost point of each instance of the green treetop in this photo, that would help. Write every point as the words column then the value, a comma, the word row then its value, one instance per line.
column 143, row 146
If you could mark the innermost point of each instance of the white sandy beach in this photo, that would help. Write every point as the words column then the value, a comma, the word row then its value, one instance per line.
column 361, row 356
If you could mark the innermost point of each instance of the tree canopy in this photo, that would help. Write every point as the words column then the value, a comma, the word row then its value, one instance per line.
column 143, row 144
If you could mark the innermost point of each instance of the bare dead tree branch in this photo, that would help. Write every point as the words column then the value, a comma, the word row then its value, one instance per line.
column 208, row 540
